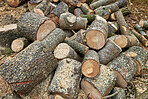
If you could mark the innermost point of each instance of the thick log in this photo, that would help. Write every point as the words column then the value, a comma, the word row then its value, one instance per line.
column 112, row 28
column 105, row 11
column 144, row 23
column 85, row 8
column 65, row 82
column 28, row 68
column 19, row 44
column 100, row 85
column 57, row 36
column 91, row 65
column 78, row 47
column 110, row 51
column 140, row 30
column 78, row 12
column 121, row 3
column 97, row 33
column 125, row 68
column 100, row 3
column 15, row 3
column 141, row 38
column 125, row 41
column 71, row 22
column 34, row 26
column 121, row 93
column 63, row 50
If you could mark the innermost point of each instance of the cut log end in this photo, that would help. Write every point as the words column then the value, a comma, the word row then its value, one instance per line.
column 90, row 68
column 141, row 23
column 17, row 45
column 38, row 11
column 95, row 39
column 13, row 3
column 58, row 97
column 121, row 41
column 45, row 29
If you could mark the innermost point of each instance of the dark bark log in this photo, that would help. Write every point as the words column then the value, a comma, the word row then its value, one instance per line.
column 78, row 47
column 121, row 3
column 66, row 79
column 141, row 38
column 34, row 26
column 15, row 3
column 69, row 33
column 125, row 68
column 100, row 85
column 85, row 8
column 78, row 12
column 100, row 3
column 112, row 28
column 52, row 40
column 91, row 65
column 105, row 11
column 28, row 68
column 110, row 51
column 71, row 22
column 19, row 44
column 90, row 18
column 144, row 23
column 97, row 33
column 121, row 93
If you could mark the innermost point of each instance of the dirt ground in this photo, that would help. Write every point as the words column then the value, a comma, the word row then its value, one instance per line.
column 139, row 11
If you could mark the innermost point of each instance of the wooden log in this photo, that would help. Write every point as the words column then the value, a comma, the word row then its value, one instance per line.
column 125, row 68
column 33, row 3
column 78, row 47
column 91, row 65
column 90, row 18
column 7, row 20
column 85, row 8
column 140, row 30
column 78, row 12
column 63, row 50
column 28, row 68
column 121, row 93
column 97, row 33
column 100, row 85
column 65, row 82
column 34, row 26
column 71, row 22
column 19, row 44
column 144, row 23
column 112, row 28
column 112, row 17
column 141, row 38
column 72, row 2
column 52, row 40
column 125, row 11
column 125, row 41
column 100, row 3
column 121, row 3
column 69, row 33
column 110, row 51
column 15, row 3
column 105, row 11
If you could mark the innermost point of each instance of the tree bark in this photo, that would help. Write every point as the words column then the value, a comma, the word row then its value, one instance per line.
column 90, row 18
column 126, row 10
column 69, row 33
column 100, row 85
column 34, row 26
column 110, row 51
column 15, row 3
column 85, row 8
column 121, row 93
column 112, row 28
column 144, row 23
column 65, row 82
column 72, row 2
column 97, row 33
column 121, row 3
column 78, row 12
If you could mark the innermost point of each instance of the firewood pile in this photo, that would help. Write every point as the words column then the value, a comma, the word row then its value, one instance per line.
column 69, row 47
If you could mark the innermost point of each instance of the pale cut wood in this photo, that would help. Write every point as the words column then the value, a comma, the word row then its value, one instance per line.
column 32, row 4
column 97, row 33
column 85, row 8
column 144, row 23
column 90, row 65
column 100, row 85
column 112, row 28
column 8, row 27
column 112, row 17
column 15, row 3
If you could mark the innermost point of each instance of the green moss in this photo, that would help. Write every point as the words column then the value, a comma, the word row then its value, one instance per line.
column 8, row 52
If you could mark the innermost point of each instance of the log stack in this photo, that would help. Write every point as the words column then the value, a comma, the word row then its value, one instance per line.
column 73, row 41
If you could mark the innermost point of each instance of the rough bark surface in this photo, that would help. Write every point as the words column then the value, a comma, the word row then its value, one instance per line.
column 85, row 8
column 121, row 3
column 121, row 93
column 140, row 30
column 78, row 12
column 90, row 18
column 112, row 28
column 144, row 23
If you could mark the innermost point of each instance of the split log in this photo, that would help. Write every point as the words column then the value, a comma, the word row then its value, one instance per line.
column 71, row 22
column 34, row 26
column 15, row 3
column 78, row 12
column 33, row 3
column 78, row 47
column 105, row 11
column 125, row 41
column 28, row 68
column 52, row 40
column 85, row 8
column 72, row 2
column 97, row 33
column 141, row 38
column 91, row 65
column 140, row 30
column 125, row 68
column 100, row 85
column 110, row 51
column 65, row 82
column 144, row 23
column 121, row 3
column 19, row 44
column 112, row 28
column 63, row 50
column 121, row 93
column 90, row 18
column 100, row 3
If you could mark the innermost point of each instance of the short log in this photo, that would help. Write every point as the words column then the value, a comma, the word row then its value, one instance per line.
column 71, row 22
column 100, row 85
column 144, row 23
column 65, row 82
column 112, row 28
column 15, row 3
column 110, row 51
column 19, row 44
column 97, row 33
column 85, row 8
column 78, row 12
column 90, row 65
column 34, row 26
column 120, row 93
column 121, row 3
column 140, row 30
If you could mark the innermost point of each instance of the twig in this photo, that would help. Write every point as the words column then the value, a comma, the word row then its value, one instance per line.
column 109, row 96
